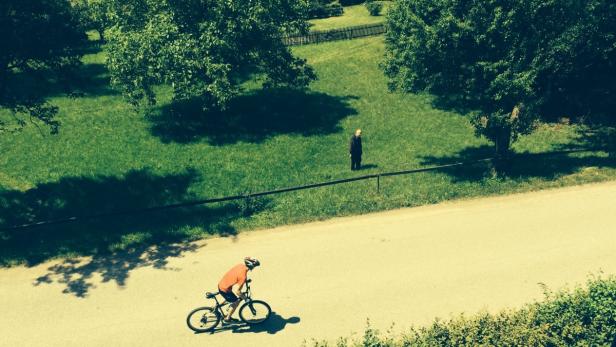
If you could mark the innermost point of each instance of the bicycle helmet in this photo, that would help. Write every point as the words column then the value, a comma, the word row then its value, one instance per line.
column 251, row 262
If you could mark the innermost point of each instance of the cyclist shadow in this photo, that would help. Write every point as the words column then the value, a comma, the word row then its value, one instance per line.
column 272, row 325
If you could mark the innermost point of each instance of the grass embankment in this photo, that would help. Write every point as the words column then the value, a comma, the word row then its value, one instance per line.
column 352, row 16
column 109, row 156
column 580, row 317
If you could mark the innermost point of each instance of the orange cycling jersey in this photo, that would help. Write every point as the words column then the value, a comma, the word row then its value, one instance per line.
column 237, row 275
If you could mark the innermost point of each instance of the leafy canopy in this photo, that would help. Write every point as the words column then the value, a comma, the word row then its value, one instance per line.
column 494, row 56
column 36, row 38
column 203, row 48
column 94, row 14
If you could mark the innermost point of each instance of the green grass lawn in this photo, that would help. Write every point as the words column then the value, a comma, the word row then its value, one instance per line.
column 109, row 156
column 353, row 15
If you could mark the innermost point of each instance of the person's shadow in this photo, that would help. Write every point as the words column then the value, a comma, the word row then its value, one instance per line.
column 272, row 325
column 368, row 166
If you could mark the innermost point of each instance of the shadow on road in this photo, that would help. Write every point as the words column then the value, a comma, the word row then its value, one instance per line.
column 108, row 249
column 79, row 276
column 274, row 324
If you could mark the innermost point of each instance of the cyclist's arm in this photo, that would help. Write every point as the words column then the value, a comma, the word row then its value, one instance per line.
column 238, row 289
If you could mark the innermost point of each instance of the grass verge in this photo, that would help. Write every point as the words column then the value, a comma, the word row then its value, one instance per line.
column 109, row 156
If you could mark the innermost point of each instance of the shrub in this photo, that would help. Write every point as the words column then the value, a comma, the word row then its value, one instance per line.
column 335, row 9
column 374, row 8
column 324, row 9
column 581, row 317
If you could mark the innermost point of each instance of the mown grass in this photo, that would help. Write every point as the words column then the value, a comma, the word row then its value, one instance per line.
column 353, row 15
column 109, row 156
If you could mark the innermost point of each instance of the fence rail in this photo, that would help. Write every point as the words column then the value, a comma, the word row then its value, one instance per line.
column 335, row 34
column 376, row 176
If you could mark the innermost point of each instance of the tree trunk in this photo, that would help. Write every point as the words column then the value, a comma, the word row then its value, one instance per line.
column 101, row 35
column 503, row 142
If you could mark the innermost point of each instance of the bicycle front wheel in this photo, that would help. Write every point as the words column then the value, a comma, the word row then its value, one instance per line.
column 255, row 312
column 203, row 319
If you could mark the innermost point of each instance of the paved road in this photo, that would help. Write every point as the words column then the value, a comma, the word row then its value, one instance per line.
column 324, row 279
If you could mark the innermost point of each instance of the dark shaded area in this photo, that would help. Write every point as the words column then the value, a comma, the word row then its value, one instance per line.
column 603, row 137
column 77, row 275
column 90, row 80
column 116, row 245
column 368, row 166
column 473, row 172
column 272, row 325
column 253, row 117
column 452, row 102
column 519, row 165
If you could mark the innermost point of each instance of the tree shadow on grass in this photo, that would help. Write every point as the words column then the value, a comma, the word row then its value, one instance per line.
column 595, row 137
column 519, row 166
column 253, row 117
column 113, row 246
column 89, row 80
column 472, row 172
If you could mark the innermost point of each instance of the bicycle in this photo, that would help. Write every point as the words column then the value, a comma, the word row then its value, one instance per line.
column 206, row 319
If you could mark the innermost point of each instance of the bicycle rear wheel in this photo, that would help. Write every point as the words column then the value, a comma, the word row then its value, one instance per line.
column 255, row 312
column 203, row 319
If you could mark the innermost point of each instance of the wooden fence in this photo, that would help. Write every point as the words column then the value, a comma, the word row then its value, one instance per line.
column 335, row 34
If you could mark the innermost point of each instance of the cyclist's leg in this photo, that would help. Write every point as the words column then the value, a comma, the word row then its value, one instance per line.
column 232, row 308
column 233, row 301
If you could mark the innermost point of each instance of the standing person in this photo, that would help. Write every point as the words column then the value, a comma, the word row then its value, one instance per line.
column 355, row 150
column 230, row 286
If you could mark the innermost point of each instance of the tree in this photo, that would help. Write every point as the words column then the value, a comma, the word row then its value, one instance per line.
column 36, row 37
column 204, row 49
column 374, row 7
column 495, row 56
column 95, row 14
column 324, row 9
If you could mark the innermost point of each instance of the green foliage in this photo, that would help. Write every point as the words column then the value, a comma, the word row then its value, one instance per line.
column 36, row 37
column 114, row 157
column 494, row 56
column 352, row 16
column 324, row 9
column 374, row 8
column 582, row 317
column 94, row 14
column 204, row 49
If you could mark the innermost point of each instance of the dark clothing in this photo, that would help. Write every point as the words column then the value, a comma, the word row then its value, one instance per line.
column 355, row 162
column 230, row 297
column 355, row 146
column 356, row 151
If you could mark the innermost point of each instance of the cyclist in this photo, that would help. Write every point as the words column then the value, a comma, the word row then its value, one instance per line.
column 230, row 286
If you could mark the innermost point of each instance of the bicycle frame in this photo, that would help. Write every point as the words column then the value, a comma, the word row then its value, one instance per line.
column 247, row 298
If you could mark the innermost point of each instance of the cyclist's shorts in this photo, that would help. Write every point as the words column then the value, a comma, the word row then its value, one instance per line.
column 230, row 297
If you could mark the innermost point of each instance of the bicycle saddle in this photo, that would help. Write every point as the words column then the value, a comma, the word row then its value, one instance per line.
column 210, row 295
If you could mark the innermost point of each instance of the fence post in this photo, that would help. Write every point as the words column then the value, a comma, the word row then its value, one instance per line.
column 378, row 183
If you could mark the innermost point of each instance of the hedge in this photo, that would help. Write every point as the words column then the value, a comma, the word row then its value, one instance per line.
column 580, row 317
column 321, row 10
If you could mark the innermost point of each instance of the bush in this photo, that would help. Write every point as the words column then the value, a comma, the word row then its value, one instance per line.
column 582, row 317
column 324, row 9
column 374, row 8
column 335, row 9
